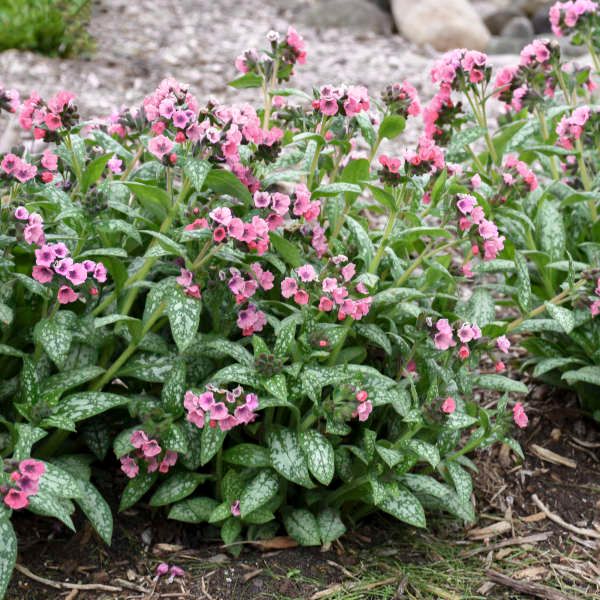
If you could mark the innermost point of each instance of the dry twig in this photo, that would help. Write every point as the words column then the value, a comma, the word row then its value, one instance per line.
column 560, row 521
column 526, row 587
column 62, row 585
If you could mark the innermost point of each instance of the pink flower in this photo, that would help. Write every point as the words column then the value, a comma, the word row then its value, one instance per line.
column 76, row 274
column 348, row 271
column 466, row 203
column 129, row 467
column 306, row 273
column 49, row 160
column 162, row 569
column 115, row 165
column 595, row 308
column 519, row 416
column 138, row 438
column 160, row 145
column 325, row 304
column 362, row 395
column 151, row 449
column 66, row 295
column 443, row 339
column 363, row 410
column 449, row 405
column 32, row 468
column 289, row 287
column 301, row 297
column 503, row 344
column 16, row 499
column 21, row 213
column 463, row 352
column 221, row 215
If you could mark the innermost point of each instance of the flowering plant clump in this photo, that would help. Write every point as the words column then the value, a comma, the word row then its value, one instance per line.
column 202, row 290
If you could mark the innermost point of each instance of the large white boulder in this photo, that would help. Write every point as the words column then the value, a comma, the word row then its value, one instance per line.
column 443, row 24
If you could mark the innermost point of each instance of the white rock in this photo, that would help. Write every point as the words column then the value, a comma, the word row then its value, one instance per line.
column 444, row 24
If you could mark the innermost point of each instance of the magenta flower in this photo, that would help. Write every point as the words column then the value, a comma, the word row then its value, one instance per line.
column 115, row 165
column 519, row 416
column 32, row 468
column 66, row 295
column 289, row 287
column 306, row 273
column 449, row 405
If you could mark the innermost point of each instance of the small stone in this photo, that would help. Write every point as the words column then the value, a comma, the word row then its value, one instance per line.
column 506, row 45
column 518, row 27
column 541, row 21
column 497, row 20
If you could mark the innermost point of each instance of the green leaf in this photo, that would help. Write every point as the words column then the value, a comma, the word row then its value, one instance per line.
column 177, row 487
column 6, row 315
column 287, row 457
column 212, row 440
column 97, row 510
column 500, row 384
column 584, row 375
column 83, row 405
column 303, row 527
column 247, row 80
column 8, row 554
column 331, row 526
column 461, row 480
column 366, row 251
column 225, row 182
column 375, row 334
column 196, row 171
column 258, row 492
column 58, row 482
column 392, row 126
column 136, row 488
column 390, row 456
column 54, row 338
column 549, row 364
column 276, row 385
column 193, row 510
column 230, row 530
column 288, row 251
column 27, row 436
column 425, row 451
column 248, row 455
column 333, row 189
column 366, row 127
column 184, row 317
column 154, row 199
column 32, row 285
column 29, row 383
column 48, row 505
column 398, row 502
column 285, row 338
column 479, row 309
column 174, row 390
column 61, row 382
column 94, row 171
column 319, row 455
column 523, row 283
column 550, row 229
column 456, row 149
column 563, row 316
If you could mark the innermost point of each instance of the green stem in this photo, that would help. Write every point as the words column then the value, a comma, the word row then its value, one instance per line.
column 383, row 243
column 546, row 136
column 132, row 164
column 427, row 253
column 337, row 496
column 585, row 179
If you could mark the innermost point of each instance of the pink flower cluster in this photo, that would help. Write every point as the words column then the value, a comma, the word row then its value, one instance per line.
column 24, row 482
column 565, row 16
column 333, row 291
column 459, row 67
column 518, row 174
column 185, row 280
column 47, row 118
column 16, row 167
column 570, row 128
column 54, row 259
column 230, row 409
column 439, row 114
column 427, row 158
column 402, row 99
column 341, row 100
column 537, row 55
column 171, row 104
column 472, row 214
column 9, row 100
column 243, row 289
column 364, row 407
column 148, row 451
column 444, row 338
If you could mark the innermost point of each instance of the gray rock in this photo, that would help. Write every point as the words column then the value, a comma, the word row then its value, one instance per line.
column 497, row 20
column 506, row 45
column 356, row 15
column 541, row 21
column 530, row 7
column 443, row 25
column 519, row 27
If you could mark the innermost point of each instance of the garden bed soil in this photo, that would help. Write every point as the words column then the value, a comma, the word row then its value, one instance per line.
column 381, row 558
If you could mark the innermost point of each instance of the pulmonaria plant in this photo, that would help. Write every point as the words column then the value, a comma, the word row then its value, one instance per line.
column 205, row 289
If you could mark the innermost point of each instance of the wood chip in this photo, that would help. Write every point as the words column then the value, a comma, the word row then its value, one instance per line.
column 534, row 518
column 552, row 457
column 251, row 575
column 482, row 533
column 516, row 541
column 531, row 573
column 276, row 543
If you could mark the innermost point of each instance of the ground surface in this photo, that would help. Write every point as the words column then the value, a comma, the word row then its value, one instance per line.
column 380, row 559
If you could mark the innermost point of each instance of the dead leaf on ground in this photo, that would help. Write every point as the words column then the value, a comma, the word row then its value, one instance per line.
column 494, row 530
column 276, row 543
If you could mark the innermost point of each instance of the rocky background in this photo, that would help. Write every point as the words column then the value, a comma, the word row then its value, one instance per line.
column 371, row 42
